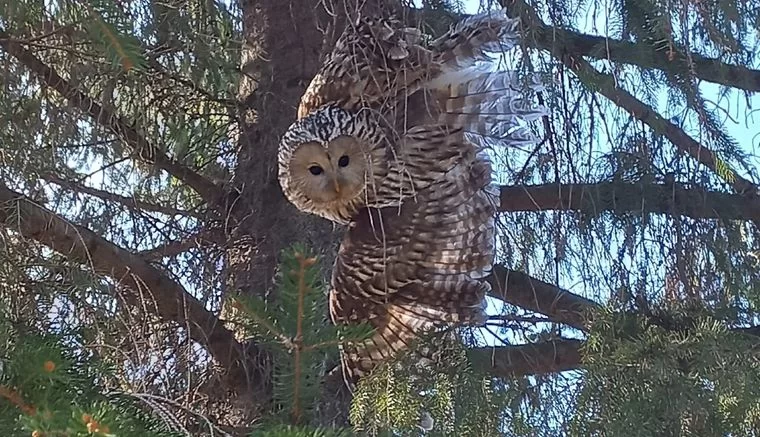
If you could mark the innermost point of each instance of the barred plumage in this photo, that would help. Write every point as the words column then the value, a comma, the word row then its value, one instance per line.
column 416, row 268
column 387, row 142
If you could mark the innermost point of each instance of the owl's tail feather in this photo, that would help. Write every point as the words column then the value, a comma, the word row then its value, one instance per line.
column 396, row 330
column 471, row 39
column 495, row 106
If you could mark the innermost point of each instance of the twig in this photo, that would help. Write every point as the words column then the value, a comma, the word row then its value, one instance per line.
column 606, row 85
column 123, row 129
column 129, row 202
column 15, row 398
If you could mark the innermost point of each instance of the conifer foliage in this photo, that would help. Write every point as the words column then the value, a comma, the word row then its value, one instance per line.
column 50, row 386
column 138, row 202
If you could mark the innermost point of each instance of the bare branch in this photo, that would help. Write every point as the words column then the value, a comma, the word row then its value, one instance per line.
column 558, row 305
column 123, row 129
column 170, row 300
column 129, row 202
column 620, row 197
column 645, row 56
column 528, row 359
column 605, row 84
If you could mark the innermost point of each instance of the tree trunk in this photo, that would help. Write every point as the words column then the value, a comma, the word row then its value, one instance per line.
column 284, row 41
column 280, row 55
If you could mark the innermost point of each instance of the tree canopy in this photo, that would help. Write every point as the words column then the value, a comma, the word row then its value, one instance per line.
column 146, row 247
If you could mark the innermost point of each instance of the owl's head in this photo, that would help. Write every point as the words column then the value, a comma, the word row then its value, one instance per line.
column 325, row 160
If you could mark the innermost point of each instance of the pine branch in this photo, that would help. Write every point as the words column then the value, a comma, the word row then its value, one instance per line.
column 171, row 301
column 641, row 54
column 528, row 359
column 129, row 202
column 621, row 197
column 120, row 127
column 605, row 84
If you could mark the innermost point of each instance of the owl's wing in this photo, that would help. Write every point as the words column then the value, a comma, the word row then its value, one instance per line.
column 493, row 108
column 378, row 62
column 471, row 39
column 416, row 268
column 373, row 61
column 450, row 125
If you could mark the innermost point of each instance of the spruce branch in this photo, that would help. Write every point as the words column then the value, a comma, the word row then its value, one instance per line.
column 142, row 148
column 528, row 359
column 640, row 54
column 204, row 237
column 303, row 340
column 261, row 319
column 303, row 264
column 606, row 85
column 15, row 398
column 124, row 49
column 555, row 356
column 620, row 197
column 129, row 202
column 169, row 299
column 558, row 305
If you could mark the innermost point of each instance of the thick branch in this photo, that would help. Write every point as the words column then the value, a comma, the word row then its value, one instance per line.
column 129, row 202
column 645, row 56
column 558, row 305
column 119, row 126
column 528, row 359
column 542, row 358
column 620, row 197
column 170, row 300
column 606, row 85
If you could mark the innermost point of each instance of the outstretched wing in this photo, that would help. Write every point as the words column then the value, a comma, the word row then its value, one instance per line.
column 415, row 268
column 377, row 61
column 373, row 61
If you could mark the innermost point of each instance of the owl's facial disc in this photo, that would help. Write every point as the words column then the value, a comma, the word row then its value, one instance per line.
column 335, row 173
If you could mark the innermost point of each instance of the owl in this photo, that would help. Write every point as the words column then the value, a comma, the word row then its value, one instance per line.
column 386, row 144
column 357, row 140
column 376, row 61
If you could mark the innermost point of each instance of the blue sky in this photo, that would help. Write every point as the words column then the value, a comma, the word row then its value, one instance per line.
column 741, row 120
column 737, row 114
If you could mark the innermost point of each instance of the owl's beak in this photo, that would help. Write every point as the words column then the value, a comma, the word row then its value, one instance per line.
column 336, row 185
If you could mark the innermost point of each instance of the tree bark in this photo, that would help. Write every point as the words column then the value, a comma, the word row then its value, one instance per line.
column 280, row 55
column 619, row 197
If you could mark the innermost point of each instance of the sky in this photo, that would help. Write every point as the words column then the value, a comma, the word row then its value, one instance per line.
column 740, row 122
column 740, row 118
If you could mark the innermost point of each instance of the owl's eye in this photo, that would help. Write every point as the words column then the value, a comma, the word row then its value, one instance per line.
column 315, row 170
column 343, row 161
